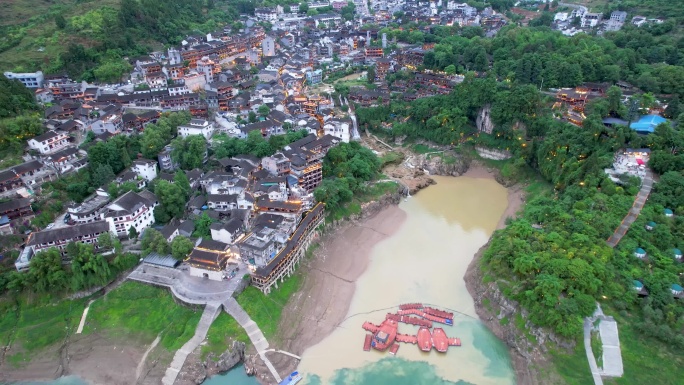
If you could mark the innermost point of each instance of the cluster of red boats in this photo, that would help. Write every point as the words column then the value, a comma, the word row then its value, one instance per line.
column 386, row 335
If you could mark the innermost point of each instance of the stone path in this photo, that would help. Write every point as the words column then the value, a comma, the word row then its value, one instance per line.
column 213, row 294
column 210, row 313
column 633, row 213
column 255, row 335
column 141, row 364
column 83, row 318
column 590, row 355
column 612, row 356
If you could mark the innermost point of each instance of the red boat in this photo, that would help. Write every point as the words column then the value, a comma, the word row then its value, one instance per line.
column 384, row 337
column 424, row 339
column 440, row 340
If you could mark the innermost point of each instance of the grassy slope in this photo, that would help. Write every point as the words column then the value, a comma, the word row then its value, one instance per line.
column 29, row 328
column 222, row 332
column 266, row 310
column 645, row 360
column 35, row 18
column 142, row 312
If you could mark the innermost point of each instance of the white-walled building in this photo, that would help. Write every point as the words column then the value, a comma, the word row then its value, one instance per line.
column 132, row 209
column 268, row 46
column 197, row 127
column 338, row 128
column 28, row 79
column 49, row 142
column 145, row 168
column 228, row 232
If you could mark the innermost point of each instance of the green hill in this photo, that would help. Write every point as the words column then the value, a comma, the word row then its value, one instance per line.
column 90, row 38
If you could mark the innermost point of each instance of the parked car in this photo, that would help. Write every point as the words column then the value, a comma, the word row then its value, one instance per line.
column 48, row 227
column 67, row 217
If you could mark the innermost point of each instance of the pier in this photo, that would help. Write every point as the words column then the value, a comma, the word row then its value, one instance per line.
column 386, row 335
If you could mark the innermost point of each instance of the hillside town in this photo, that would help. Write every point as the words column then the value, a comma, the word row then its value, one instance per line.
column 232, row 84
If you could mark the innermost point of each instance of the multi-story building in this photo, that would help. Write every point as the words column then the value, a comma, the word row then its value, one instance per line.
column 30, row 80
column 166, row 162
column 314, row 77
column 49, row 142
column 259, row 247
column 132, row 210
column 337, row 128
column 268, row 46
column 208, row 68
column 277, row 164
column 145, row 168
column 228, row 232
column 90, row 210
column 60, row 238
column 197, row 127
column 16, row 208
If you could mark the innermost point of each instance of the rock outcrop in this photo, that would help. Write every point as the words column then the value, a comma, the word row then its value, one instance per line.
column 484, row 119
column 196, row 371
column 446, row 164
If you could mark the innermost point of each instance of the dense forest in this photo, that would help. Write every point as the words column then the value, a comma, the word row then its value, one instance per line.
column 19, row 120
column 649, row 57
column 90, row 40
column 554, row 260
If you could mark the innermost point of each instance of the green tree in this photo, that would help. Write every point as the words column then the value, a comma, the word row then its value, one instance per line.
column 370, row 75
column 172, row 201
column 202, row 225
column 154, row 242
column 450, row 69
column 263, row 110
column 189, row 152
column 102, row 175
column 181, row 180
column 46, row 271
column 181, row 247
column 60, row 21
column 132, row 233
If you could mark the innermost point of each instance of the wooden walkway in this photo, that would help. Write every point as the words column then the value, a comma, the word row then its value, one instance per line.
column 633, row 213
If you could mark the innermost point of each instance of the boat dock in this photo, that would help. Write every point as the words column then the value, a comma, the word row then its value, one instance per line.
column 367, row 326
column 407, row 339
column 427, row 316
column 367, row 343
column 439, row 313
column 386, row 336
column 409, row 320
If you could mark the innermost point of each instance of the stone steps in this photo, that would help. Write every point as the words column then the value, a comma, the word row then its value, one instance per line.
column 208, row 316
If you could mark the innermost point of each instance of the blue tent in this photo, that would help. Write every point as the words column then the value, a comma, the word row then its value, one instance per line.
column 647, row 123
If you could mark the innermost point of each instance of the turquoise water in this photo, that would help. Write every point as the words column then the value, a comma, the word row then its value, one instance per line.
column 236, row 376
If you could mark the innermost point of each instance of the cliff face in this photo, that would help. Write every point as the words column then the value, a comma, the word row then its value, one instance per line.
column 527, row 342
column 484, row 120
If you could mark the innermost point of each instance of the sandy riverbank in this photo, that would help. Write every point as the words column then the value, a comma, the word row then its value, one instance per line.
column 323, row 302
column 97, row 359
column 324, row 299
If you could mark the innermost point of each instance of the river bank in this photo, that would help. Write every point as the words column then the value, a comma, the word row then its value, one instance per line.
column 324, row 300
